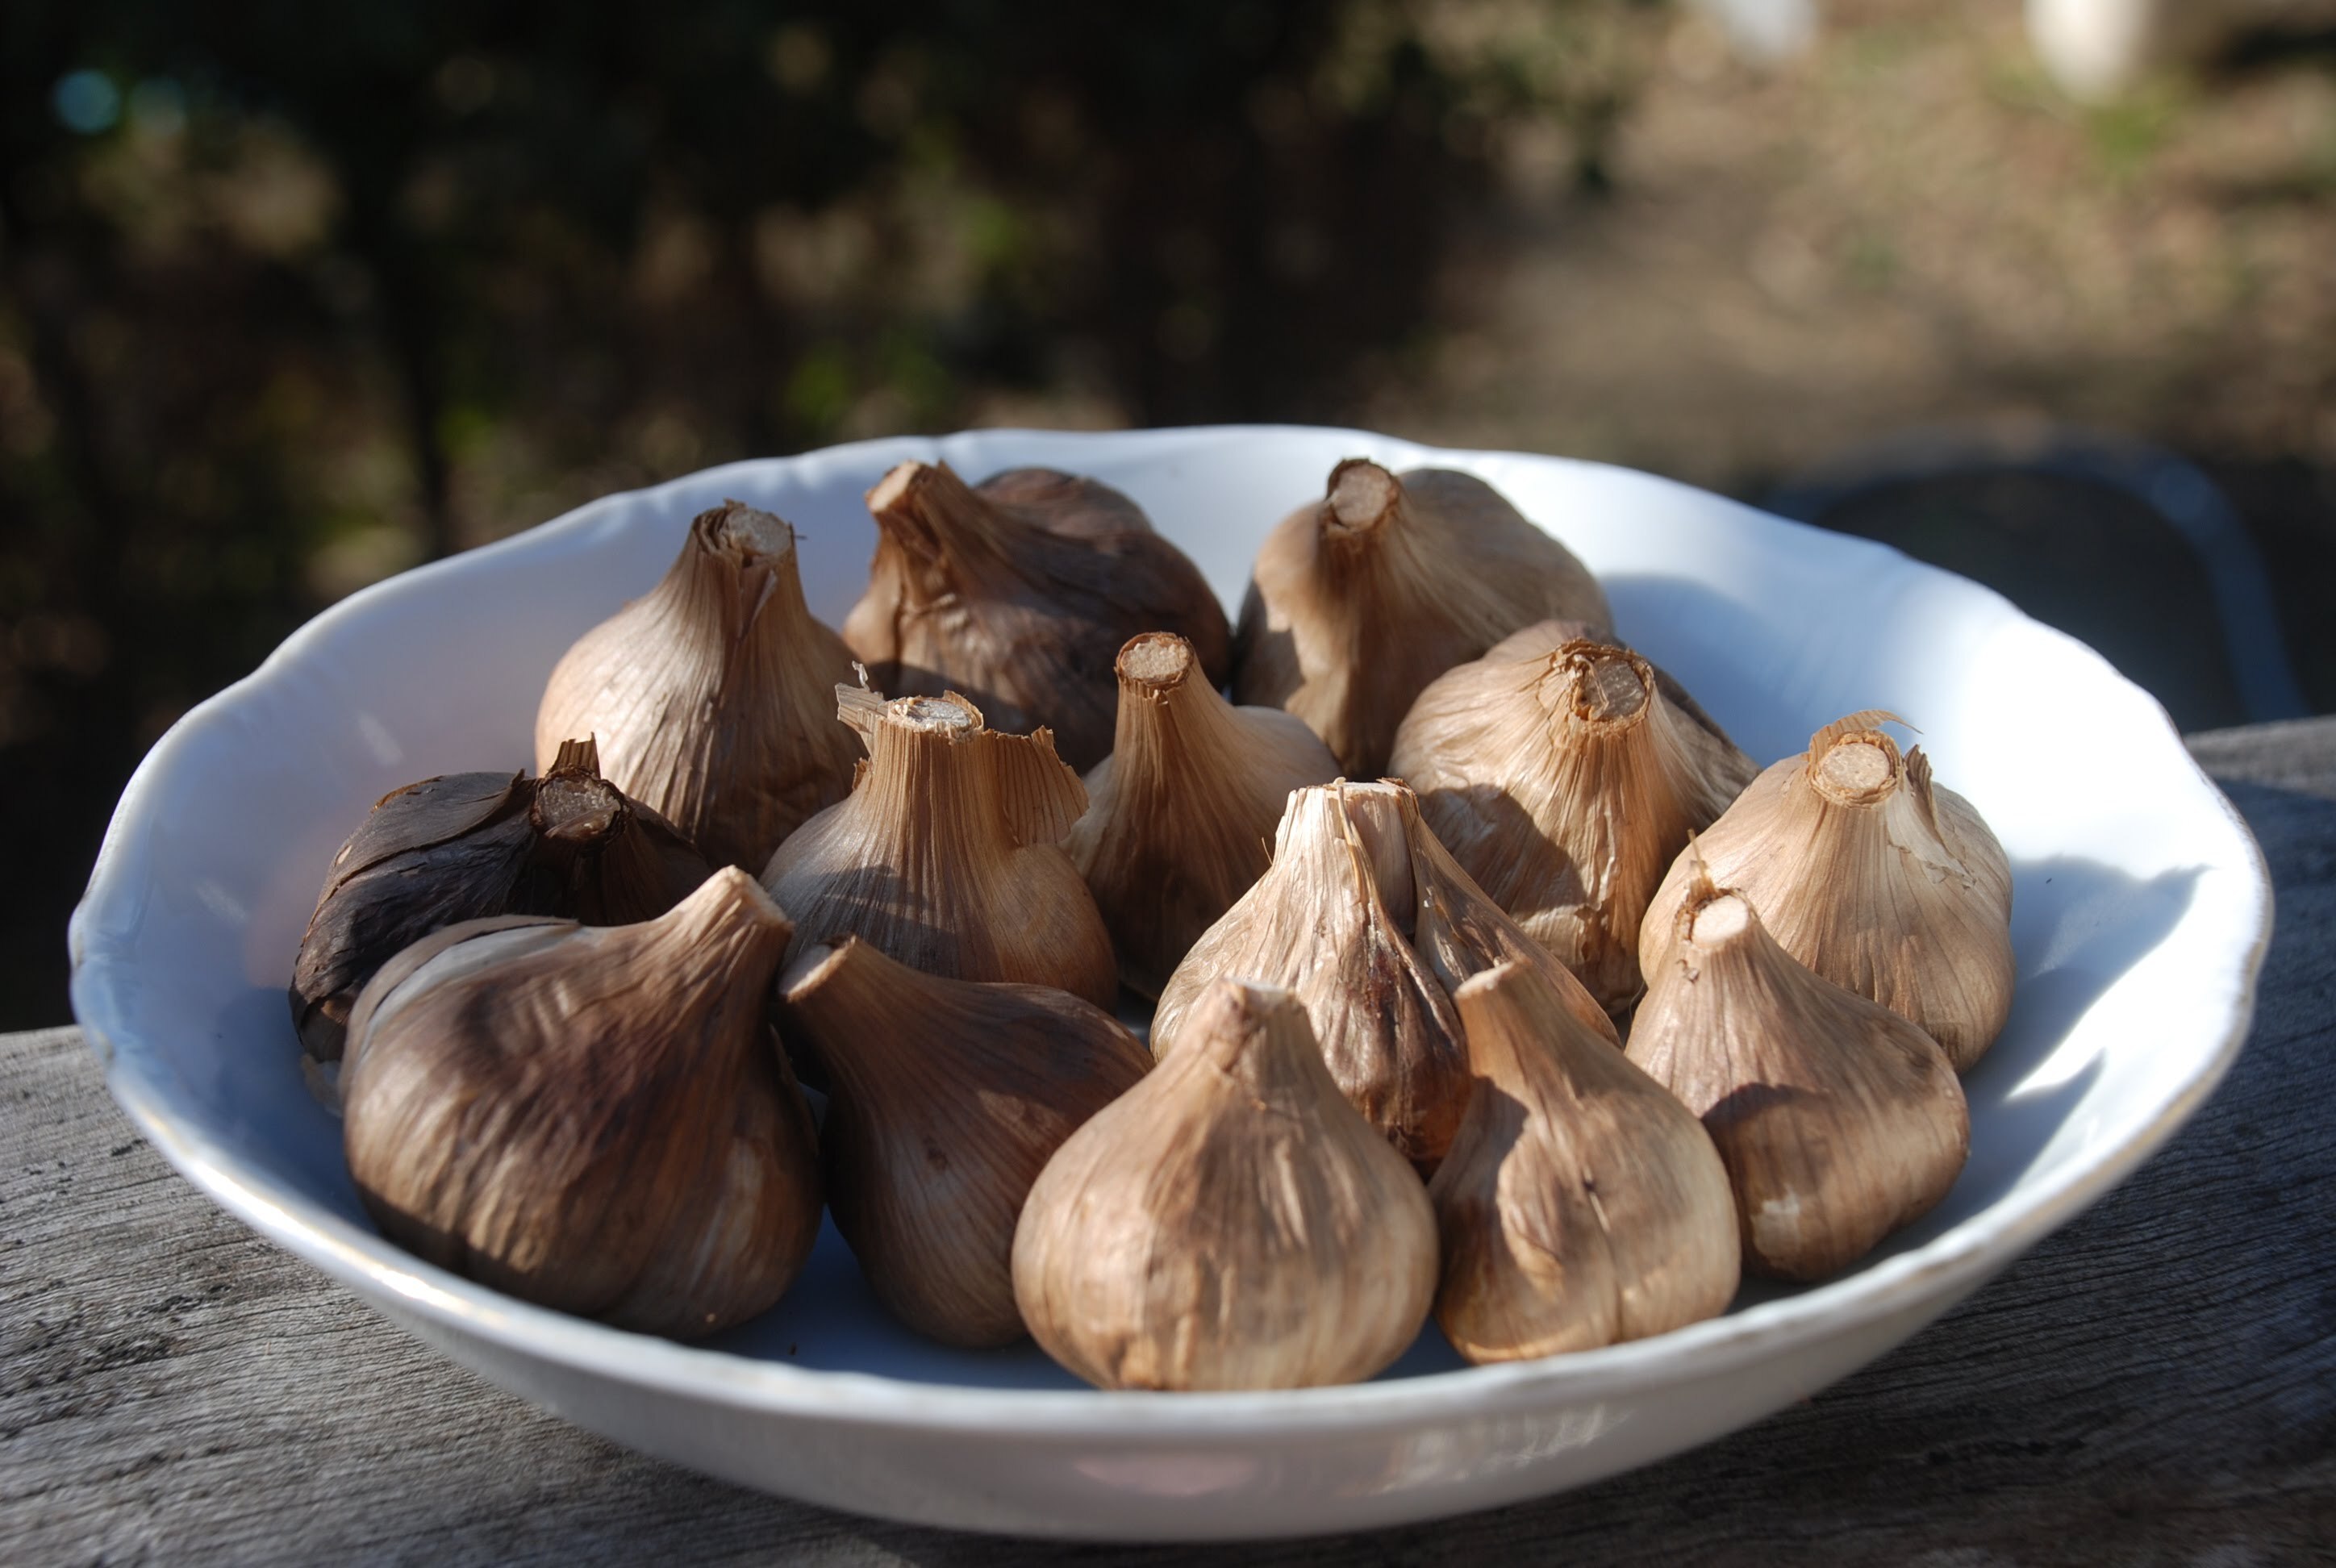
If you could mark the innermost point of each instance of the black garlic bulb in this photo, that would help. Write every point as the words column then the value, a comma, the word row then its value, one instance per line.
column 467, row 846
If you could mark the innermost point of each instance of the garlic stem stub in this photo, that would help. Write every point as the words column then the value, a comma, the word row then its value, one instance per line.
column 1367, row 920
column 610, row 859
column 595, row 1119
column 1229, row 1222
column 947, row 854
column 945, row 1100
column 1871, row 874
column 468, row 846
column 1564, row 779
column 1179, row 815
column 1356, row 602
column 709, row 694
column 1580, row 1205
column 1839, row 1122
column 1019, row 591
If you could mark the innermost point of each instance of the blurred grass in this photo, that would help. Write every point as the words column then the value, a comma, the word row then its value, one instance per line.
column 291, row 301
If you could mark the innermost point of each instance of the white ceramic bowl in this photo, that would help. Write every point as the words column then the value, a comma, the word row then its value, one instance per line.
column 2141, row 914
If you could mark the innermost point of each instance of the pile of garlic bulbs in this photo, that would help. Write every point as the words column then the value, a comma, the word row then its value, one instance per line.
column 1553, row 1032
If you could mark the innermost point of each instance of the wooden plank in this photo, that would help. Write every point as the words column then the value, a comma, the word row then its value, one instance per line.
column 2158, row 1383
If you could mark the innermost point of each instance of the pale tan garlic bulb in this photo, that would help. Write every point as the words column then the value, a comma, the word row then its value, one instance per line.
column 947, row 855
column 1367, row 920
column 1872, row 875
column 1564, row 779
column 1179, row 815
column 710, row 695
column 945, row 1100
column 1359, row 599
column 595, row 1119
column 1839, row 1121
column 1019, row 590
column 1580, row 1205
column 1229, row 1222
column 470, row 846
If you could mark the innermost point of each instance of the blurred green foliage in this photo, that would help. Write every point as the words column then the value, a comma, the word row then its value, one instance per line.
column 293, row 296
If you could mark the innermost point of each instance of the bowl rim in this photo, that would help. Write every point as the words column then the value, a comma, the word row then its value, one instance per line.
column 1933, row 1273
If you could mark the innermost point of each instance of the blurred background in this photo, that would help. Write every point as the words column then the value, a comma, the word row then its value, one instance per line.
column 293, row 297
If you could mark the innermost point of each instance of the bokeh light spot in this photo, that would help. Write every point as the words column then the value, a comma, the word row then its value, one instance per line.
column 87, row 101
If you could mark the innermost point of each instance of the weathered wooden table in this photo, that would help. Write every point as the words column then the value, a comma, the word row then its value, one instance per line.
column 2156, row 1383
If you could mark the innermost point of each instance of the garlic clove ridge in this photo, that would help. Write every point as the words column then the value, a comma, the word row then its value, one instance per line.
column 709, row 694
column 1840, row 1123
column 1356, row 602
column 1229, row 1222
column 1367, row 920
column 1019, row 591
column 947, row 854
column 1874, row 875
column 946, row 1098
column 1580, row 1205
column 595, row 1119
column 1564, row 777
column 1179, row 814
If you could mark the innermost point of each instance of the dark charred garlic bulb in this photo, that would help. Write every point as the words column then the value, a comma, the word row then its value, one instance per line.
column 1361, row 598
column 1872, row 875
column 1367, row 920
column 1580, row 1205
column 945, row 1101
column 710, row 694
column 467, row 846
column 1229, row 1222
column 1179, row 814
column 1839, row 1121
column 1020, row 591
column 947, row 855
column 595, row 1119
column 1563, row 778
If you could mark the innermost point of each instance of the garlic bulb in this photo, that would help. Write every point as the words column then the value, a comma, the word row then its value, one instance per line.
column 1580, row 1205
column 470, row 845
column 1839, row 1122
column 945, row 1100
column 1368, row 922
column 1873, row 876
column 946, row 855
column 1019, row 590
column 1360, row 599
column 1229, row 1222
column 709, row 694
column 1563, row 779
column 597, row 1119
column 1178, row 815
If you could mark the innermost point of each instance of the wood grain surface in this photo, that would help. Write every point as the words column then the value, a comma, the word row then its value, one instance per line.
column 2157, row 1384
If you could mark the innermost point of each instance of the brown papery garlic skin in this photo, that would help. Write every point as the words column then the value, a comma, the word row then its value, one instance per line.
column 947, row 855
column 710, row 694
column 1178, row 815
column 1230, row 1222
column 1580, row 1204
column 1367, row 920
column 1868, row 873
column 469, row 846
column 595, row 1119
column 945, row 1101
column 1357, row 600
column 1565, row 780
column 1019, row 591
column 1839, row 1121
